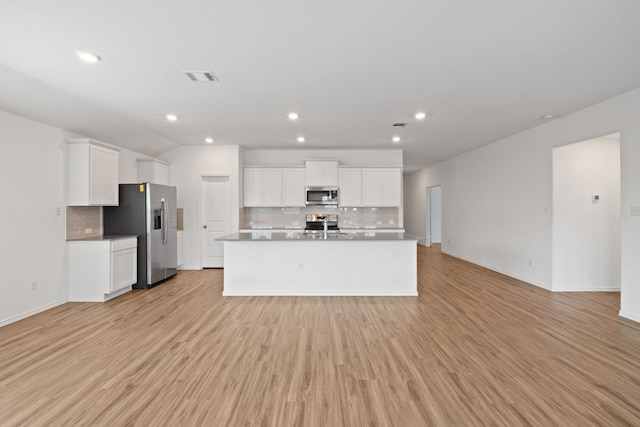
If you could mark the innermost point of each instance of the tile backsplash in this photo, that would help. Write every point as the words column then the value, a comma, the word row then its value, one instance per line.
column 82, row 218
column 180, row 218
column 295, row 217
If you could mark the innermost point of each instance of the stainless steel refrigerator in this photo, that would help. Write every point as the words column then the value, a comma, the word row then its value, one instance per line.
column 148, row 210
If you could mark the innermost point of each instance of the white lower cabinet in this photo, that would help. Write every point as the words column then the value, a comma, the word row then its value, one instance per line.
column 101, row 269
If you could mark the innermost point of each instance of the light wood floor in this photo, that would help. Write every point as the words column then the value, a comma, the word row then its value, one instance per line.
column 475, row 348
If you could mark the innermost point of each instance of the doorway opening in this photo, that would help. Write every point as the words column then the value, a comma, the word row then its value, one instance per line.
column 215, row 197
column 434, row 218
column 586, row 216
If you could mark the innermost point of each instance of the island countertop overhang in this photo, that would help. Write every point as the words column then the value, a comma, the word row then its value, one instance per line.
column 299, row 236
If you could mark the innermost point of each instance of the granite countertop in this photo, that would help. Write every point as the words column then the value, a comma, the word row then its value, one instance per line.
column 301, row 228
column 107, row 237
column 298, row 236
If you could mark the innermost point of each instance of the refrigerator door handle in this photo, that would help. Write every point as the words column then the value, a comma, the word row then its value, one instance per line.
column 163, row 216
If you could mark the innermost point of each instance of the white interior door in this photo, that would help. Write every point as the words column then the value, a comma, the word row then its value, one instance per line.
column 216, row 219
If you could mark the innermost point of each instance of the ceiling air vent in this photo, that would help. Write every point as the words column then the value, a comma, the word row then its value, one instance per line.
column 201, row 76
column 400, row 124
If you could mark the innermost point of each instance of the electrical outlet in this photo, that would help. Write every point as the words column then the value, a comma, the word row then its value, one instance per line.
column 392, row 222
column 88, row 230
column 34, row 285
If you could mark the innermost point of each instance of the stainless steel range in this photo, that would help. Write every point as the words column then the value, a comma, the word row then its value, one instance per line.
column 321, row 223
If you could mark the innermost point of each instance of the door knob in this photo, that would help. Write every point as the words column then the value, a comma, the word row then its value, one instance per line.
column 204, row 226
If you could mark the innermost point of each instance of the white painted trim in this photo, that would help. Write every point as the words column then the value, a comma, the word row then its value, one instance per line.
column 316, row 294
column 31, row 312
column 93, row 142
column 488, row 267
column 190, row 267
column 629, row 316
column 585, row 290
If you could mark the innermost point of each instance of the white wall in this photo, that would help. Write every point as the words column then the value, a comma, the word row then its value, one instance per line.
column 186, row 166
column 586, row 234
column 128, row 166
column 33, row 236
column 380, row 158
column 496, row 199
column 435, row 213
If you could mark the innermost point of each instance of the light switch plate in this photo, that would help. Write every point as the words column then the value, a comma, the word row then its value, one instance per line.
column 635, row 210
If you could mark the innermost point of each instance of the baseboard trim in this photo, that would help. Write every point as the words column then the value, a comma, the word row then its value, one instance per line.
column 30, row 313
column 488, row 267
column 585, row 290
column 289, row 294
column 629, row 316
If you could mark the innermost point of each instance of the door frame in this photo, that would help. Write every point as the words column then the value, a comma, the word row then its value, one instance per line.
column 201, row 206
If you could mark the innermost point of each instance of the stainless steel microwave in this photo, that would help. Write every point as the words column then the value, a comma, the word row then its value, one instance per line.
column 322, row 196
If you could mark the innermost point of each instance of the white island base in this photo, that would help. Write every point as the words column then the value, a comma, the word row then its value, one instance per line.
column 340, row 267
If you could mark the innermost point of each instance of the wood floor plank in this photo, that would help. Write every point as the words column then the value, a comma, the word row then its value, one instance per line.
column 475, row 348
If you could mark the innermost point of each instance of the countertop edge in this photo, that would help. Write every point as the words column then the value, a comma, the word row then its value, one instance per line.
column 298, row 236
column 106, row 238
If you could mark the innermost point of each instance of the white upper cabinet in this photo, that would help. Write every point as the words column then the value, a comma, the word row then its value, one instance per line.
column 92, row 173
column 320, row 173
column 153, row 171
column 391, row 186
column 293, row 187
column 262, row 187
column 272, row 195
column 350, row 186
column 252, row 187
column 381, row 187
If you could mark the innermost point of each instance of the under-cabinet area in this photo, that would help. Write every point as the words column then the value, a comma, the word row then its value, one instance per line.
column 101, row 268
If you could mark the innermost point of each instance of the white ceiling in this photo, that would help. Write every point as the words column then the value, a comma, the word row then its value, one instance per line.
column 483, row 70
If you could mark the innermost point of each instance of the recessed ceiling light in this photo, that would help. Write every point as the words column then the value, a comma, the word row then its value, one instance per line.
column 172, row 117
column 420, row 115
column 395, row 139
column 293, row 116
column 301, row 139
column 209, row 140
column 88, row 56
column 548, row 117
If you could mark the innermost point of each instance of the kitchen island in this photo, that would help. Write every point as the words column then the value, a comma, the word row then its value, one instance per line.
column 297, row 263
